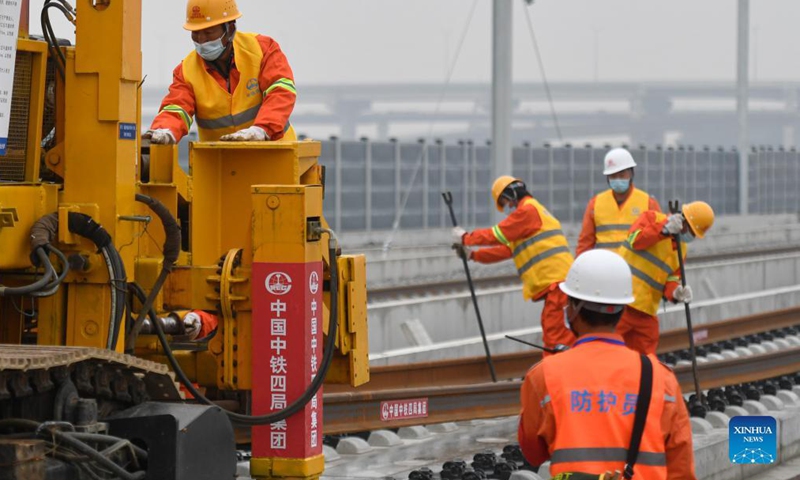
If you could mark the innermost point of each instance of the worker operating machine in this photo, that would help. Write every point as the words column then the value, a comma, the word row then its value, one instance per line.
column 150, row 318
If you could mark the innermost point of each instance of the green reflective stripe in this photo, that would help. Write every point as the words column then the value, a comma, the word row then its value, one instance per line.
column 229, row 120
column 613, row 227
column 633, row 236
column 542, row 256
column 651, row 258
column 564, row 455
column 542, row 236
column 498, row 234
column 608, row 245
column 673, row 278
column 646, row 279
column 187, row 119
column 284, row 83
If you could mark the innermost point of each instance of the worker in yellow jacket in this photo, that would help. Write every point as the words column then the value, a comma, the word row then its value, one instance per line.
column 652, row 253
column 610, row 214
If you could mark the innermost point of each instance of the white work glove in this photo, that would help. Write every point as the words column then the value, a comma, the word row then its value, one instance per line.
column 683, row 294
column 458, row 235
column 250, row 134
column 674, row 224
column 192, row 324
column 160, row 136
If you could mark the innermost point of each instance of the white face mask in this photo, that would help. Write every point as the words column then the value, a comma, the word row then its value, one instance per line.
column 211, row 50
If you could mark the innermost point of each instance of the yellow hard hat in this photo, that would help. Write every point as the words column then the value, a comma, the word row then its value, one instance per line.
column 700, row 216
column 202, row 14
column 498, row 186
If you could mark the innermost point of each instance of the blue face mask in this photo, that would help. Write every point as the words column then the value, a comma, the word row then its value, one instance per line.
column 619, row 185
column 210, row 50
column 687, row 237
column 508, row 210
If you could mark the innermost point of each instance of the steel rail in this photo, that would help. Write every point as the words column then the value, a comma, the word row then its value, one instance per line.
column 349, row 412
column 473, row 370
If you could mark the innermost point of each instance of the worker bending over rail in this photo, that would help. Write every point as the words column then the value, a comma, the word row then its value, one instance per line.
column 534, row 239
column 239, row 86
column 579, row 407
column 652, row 253
column 610, row 214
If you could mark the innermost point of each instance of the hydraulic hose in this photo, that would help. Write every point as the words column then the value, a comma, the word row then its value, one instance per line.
column 313, row 388
column 52, row 287
column 45, row 230
column 38, row 284
column 172, row 248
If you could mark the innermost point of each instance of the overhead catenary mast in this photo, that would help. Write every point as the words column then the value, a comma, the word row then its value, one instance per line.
column 502, row 83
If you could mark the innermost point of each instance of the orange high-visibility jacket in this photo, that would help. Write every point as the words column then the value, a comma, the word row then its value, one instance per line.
column 653, row 261
column 606, row 223
column 578, row 409
column 542, row 257
column 259, row 91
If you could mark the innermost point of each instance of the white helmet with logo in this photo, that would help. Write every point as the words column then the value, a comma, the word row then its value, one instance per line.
column 617, row 160
column 601, row 277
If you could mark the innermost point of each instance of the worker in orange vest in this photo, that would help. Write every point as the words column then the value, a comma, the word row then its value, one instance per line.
column 238, row 86
column 581, row 408
column 534, row 239
column 652, row 253
column 610, row 214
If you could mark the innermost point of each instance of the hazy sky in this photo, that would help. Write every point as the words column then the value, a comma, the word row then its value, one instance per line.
column 363, row 41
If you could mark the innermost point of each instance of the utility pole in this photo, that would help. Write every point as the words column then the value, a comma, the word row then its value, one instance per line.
column 742, row 103
column 502, row 84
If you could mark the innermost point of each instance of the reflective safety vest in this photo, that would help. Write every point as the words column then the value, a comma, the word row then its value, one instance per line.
column 217, row 111
column 651, row 268
column 542, row 259
column 592, row 389
column 612, row 221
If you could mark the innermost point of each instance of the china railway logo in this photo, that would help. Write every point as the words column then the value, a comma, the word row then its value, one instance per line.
column 753, row 440
column 278, row 283
column 196, row 13
column 313, row 282
column 636, row 211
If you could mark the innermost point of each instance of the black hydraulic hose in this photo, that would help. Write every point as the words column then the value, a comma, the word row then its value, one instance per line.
column 94, row 455
column 116, row 270
column 53, row 286
column 45, row 230
column 172, row 231
column 108, row 439
column 38, row 284
column 313, row 388
column 74, row 440
column 172, row 248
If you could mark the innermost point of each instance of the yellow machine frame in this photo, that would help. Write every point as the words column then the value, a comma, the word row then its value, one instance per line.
column 99, row 171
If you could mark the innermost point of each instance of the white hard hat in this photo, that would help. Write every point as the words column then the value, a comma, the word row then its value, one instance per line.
column 617, row 160
column 599, row 276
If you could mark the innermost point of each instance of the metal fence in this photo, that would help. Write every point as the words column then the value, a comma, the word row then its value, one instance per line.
column 370, row 185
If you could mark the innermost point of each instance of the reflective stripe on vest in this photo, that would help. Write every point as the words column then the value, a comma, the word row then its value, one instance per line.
column 219, row 112
column 542, row 259
column 651, row 269
column 593, row 388
column 612, row 221
column 606, row 455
